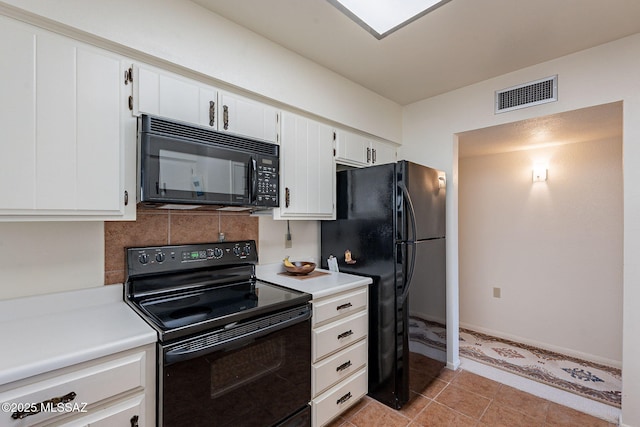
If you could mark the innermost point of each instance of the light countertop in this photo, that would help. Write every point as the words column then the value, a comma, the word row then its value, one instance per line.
column 320, row 286
column 47, row 332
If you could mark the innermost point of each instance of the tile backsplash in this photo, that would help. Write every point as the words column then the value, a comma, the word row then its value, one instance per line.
column 170, row 227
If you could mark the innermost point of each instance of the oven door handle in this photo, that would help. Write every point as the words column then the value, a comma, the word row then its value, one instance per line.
column 181, row 354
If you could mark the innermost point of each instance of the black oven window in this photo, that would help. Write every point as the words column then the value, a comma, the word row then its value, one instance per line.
column 237, row 369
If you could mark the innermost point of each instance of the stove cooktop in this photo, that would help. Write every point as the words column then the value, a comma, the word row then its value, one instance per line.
column 224, row 304
column 186, row 289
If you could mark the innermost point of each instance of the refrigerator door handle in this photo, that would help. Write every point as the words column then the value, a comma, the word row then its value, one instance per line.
column 411, row 212
column 410, row 269
column 412, row 221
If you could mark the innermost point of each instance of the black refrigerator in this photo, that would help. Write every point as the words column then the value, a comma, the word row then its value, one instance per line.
column 390, row 226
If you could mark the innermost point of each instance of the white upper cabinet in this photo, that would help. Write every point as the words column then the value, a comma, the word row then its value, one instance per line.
column 307, row 169
column 63, row 140
column 161, row 93
column 247, row 117
column 356, row 150
column 382, row 153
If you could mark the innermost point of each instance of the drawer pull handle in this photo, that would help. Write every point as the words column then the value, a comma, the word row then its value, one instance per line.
column 343, row 399
column 44, row 405
column 345, row 334
column 344, row 366
column 134, row 421
column 343, row 306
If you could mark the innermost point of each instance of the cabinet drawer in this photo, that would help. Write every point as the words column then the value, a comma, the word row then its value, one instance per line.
column 90, row 385
column 342, row 304
column 337, row 399
column 338, row 367
column 336, row 335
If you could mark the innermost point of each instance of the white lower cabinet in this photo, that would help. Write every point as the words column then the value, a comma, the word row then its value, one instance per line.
column 113, row 390
column 339, row 353
column 336, row 400
column 125, row 413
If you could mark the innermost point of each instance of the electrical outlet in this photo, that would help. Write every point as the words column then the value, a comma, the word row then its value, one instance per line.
column 496, row 292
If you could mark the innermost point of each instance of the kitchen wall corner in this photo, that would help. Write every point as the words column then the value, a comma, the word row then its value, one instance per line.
column 170, row 227
column 305, row 240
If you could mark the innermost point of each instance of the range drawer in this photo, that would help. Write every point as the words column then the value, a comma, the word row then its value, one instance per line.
column 81, row 388
column 336, row 335
column 337, row 399
column 347, row 303
column 338, row 367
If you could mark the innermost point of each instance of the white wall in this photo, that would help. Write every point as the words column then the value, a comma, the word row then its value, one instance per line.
column 554, row 248
column 45, row 257
column 604, row 74
column 305, row 240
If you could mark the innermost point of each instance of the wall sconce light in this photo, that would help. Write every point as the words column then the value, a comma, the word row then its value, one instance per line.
column 539, row 173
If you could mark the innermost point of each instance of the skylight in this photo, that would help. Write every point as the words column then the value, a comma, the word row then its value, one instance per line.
column 382, row 17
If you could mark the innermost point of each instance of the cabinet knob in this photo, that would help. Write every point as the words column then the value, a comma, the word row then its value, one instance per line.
column 134, row 421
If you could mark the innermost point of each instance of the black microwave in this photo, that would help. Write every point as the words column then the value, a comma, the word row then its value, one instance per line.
column 185, row 164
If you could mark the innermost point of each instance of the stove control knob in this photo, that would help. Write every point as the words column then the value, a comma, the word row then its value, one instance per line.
column 160, row 257
column 236, row 251
column 143, row 258
column 217, row 253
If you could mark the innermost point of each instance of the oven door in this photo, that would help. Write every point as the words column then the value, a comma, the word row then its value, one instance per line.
column 259, row 378
column 177, row 170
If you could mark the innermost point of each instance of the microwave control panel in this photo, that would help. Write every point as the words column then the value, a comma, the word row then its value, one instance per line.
column 268, row 178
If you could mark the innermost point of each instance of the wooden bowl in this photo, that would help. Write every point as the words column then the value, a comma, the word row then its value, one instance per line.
column 301, row 267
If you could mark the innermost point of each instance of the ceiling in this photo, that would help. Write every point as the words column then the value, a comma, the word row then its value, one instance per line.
column 460, row 43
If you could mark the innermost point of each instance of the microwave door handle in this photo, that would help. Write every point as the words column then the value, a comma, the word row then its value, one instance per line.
column 253, row 180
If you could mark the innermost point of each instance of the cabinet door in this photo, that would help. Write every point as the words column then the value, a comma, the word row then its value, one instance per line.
column 130, row 412
column 382, row 153
column 357, row 150
column 352, row 149
column 247, row 117
column 164, row 94
column 17, row 116
column 63, row 146
column 307, row 170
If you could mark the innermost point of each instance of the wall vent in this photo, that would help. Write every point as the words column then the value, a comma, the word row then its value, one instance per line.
column 527, row 95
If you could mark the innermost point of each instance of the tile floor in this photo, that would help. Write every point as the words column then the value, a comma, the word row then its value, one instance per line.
column 461, row 399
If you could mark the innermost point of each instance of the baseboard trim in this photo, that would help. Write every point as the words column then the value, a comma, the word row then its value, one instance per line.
column 545, row 346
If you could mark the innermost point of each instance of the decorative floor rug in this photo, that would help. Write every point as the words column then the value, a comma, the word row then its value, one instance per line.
column 591, row 380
